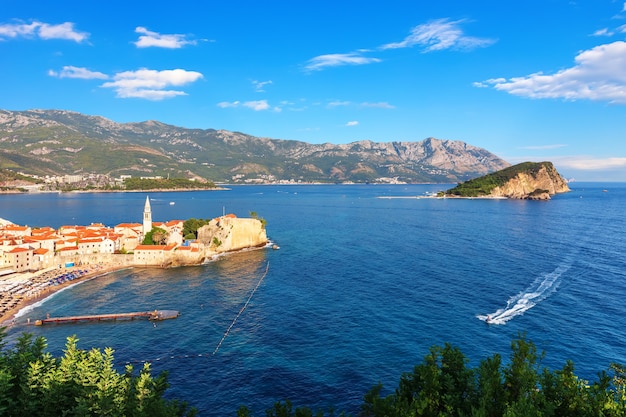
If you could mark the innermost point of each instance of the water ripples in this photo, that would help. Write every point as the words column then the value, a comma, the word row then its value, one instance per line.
column 361, row 289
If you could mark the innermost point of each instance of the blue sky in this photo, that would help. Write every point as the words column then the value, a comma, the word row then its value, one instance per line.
column 536, row 80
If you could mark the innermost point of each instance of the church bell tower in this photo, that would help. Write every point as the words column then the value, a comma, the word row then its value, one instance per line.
column 147, row 217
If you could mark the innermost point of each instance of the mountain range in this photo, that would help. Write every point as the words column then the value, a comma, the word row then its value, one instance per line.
column 59, row 142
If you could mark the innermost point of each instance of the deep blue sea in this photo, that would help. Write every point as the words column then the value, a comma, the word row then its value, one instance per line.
column 359, row 290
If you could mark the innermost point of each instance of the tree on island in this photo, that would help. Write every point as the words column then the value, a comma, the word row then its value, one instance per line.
column 156, row 236
column 191, row 226
column 255, row 216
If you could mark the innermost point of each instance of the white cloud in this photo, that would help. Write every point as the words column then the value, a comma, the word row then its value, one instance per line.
column 62, row 31
column 438, row 35
column 435, row 35
column 335, row 60
column 488, row 83
column 151, row 84
column 18, row 30
column 44, row 31
column 227, row 104
column 256, row 105
column 259, row 85
column 586, row 163
column 338, row 103
column 352, row 123
column 379, row 105
column 154, row 39
column 609, row 32
column 76, row 72
column 603, row 32
column 599, row 74
column 624, row 7
column 300, row 105
column 259, row 105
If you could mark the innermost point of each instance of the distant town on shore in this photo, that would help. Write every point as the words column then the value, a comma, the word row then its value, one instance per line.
column 35, row 258
column 19, row 182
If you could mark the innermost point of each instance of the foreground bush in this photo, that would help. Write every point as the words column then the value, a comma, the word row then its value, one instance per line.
column 85, row 383
column 81, row 383
column 443, row 385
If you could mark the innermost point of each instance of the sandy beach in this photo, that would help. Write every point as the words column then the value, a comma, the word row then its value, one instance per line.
column 21, row 293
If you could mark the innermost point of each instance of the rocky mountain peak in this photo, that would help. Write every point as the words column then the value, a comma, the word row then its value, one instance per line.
column 56, row 142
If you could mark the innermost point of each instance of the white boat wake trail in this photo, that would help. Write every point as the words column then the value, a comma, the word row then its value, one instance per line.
column 538, row 291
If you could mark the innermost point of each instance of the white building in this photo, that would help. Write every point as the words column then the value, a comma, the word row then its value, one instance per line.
column 147, row 217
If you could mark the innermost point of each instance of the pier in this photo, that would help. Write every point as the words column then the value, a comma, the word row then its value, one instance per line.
column 155, row 315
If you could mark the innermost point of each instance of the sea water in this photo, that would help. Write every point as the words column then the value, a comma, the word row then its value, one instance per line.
column 359, row 290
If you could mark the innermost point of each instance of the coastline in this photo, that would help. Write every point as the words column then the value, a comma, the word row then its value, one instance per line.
column 445, row 197
column 9, row 314
column 156, row 190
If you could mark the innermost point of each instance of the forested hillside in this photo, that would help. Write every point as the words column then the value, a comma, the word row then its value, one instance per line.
column 56, row 142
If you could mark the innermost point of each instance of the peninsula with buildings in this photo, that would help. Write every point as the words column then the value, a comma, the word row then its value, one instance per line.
column 34, row 262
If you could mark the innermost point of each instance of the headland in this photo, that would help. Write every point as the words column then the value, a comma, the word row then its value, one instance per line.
column 37, row 262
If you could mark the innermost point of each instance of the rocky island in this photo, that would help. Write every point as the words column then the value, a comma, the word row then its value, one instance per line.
column 527, row 181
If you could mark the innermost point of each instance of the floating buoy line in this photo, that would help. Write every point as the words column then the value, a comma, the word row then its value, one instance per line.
column 242, row 310
column 232, row 324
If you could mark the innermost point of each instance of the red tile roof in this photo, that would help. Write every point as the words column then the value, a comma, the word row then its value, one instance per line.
column 18, row 250
column 131, row 225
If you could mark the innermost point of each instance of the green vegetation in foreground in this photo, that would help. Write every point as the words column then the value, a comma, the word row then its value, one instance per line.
column 81, row 383
column 443, row 385
column 85, row 383
column 134, row 184
column 483, row 186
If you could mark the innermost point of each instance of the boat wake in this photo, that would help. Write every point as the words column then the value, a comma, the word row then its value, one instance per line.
column 517, row 305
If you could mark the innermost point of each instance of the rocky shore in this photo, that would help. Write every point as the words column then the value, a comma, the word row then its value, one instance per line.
column 36, row 263
column 524, row 181
column 21, row 290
